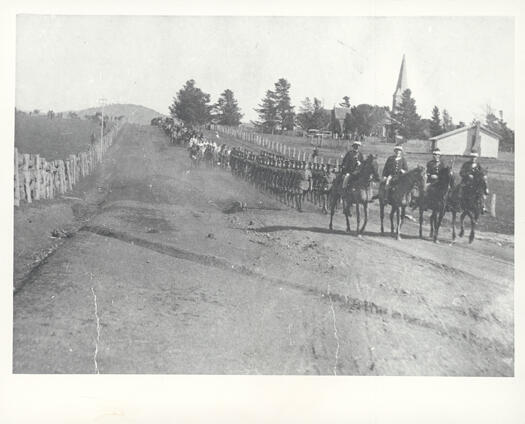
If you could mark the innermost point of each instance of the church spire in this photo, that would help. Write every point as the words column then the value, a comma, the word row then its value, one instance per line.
column 401, row 86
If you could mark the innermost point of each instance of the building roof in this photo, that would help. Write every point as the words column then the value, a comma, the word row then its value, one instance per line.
column 340, row 112
column 459, row 130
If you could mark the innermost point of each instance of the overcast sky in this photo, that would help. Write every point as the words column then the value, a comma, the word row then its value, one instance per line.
column 461, row 64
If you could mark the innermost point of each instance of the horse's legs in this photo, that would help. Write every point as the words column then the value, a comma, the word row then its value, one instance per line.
column 398, row 226
column 358, row 218
column 346, row 210
column 439, row 219
column 381, row 214
column 432, row 223
column 453, row 225
column 461, row 219
column 333, row 202
column 421, row 222
column 365, row 219
column 472, row 227
column 392, row 212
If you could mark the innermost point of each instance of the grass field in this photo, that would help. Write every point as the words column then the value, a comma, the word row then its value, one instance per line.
column 53, row 138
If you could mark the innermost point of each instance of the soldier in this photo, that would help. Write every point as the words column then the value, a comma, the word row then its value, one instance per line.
column 467, row 172
column 352, row 163
column 395, row 166
column 434, row 167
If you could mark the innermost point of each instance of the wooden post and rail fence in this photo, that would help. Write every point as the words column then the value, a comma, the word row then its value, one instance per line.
column 36, row 178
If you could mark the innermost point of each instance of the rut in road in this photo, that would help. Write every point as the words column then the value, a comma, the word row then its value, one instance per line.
column 350, row 304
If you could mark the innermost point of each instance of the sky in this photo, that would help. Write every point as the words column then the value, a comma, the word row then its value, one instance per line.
column 461, row 64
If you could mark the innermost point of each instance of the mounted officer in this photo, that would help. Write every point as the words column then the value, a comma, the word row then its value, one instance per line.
column 434, row 167
column 352, row 163
column 395, row 166
column 468, row 172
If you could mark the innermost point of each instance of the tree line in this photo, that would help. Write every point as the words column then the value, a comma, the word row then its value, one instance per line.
column 276, row 114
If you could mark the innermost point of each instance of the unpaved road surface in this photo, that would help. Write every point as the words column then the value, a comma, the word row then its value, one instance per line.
column 160, row 280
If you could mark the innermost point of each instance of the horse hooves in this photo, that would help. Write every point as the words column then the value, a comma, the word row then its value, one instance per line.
column 471, row 239
column 348, row 230
column 461, row 234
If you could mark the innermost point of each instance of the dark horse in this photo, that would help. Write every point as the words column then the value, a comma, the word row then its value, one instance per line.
column 468, row 199
column 435, row 198
column 355, row 193
column 399, row 196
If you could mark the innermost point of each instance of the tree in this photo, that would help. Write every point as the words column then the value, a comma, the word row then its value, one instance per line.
column 284, row 109
column 499, row 126
column 345, row 102
column 36, row 111
column 435, row 123
column 227, row 111
column 406, row 121
column 267, row 112
column 191, row 105
column 313, row 115
column 448, row 124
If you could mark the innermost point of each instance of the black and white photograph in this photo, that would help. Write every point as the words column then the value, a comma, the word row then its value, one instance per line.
column 264, row 195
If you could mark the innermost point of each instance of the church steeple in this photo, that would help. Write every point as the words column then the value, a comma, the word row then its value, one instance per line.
column 401, row 85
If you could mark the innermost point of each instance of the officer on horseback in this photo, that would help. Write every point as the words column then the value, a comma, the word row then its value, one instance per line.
column 469, row 170
column 395, row 165
column 434, row 167
column 352, row 163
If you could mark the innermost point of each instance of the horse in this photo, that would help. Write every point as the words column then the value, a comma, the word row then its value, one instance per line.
column 436, row 198
column 468, row 199
column 398, row 197
column 355, row 193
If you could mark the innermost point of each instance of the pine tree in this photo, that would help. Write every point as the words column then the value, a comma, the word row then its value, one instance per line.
column 267, row 112
column 406, row 120
column 284, row 109
column 435, row 123
column 226, row 109
column 191, row 105
column 448, row 124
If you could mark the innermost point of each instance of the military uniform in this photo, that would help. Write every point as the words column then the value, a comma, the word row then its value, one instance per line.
column 352, row 161
column 394, row 166
column 434, row 167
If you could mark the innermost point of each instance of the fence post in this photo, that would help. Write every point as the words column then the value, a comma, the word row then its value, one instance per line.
column 17, row 182
column 27, row 180
column 37, row 177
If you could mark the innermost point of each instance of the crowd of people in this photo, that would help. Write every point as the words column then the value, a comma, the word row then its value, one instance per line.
column 293, row 181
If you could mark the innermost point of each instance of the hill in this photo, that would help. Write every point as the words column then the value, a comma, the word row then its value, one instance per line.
column 135, row 114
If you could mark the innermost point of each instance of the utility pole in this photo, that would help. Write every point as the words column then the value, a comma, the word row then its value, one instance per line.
column 102, row 103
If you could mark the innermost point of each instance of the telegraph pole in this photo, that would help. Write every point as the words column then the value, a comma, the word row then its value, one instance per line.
column 102, row 103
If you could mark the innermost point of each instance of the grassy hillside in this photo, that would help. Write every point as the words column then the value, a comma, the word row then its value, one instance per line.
column 53, row 138
column 134, row 113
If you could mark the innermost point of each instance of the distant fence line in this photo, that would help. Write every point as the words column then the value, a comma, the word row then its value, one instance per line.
column 36, row 178
column 272, row 145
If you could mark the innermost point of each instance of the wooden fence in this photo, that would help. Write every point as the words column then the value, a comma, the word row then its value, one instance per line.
column 272, row 145
column 36, row 178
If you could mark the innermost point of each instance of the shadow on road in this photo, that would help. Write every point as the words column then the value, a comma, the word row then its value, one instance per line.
column 275, row 228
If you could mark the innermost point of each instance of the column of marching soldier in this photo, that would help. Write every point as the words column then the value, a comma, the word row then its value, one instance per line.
column 291, row 181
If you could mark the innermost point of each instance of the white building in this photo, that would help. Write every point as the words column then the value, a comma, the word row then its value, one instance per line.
column 464, row 140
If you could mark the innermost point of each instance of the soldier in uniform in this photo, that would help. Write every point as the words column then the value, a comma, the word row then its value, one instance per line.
column 395, row 165
column 352, row 163
column 467, row 172
column 434, row 167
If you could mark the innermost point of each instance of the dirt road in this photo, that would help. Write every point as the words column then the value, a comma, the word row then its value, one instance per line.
column 161, row 280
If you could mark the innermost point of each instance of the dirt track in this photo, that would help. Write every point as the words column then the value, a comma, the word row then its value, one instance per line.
column 160, row 280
